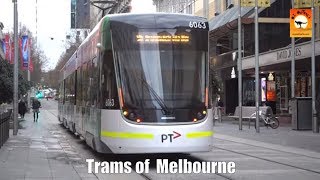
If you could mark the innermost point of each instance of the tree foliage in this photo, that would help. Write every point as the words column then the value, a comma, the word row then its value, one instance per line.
column 6, row 83
column 6, row 70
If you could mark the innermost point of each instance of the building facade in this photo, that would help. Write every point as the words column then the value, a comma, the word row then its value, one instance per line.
column 274, row 58
column 175, row 6
column 85, row 14
column 274, row 48
column 98, row 9
column 194, row 7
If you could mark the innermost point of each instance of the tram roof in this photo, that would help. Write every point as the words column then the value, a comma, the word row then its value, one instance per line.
column 153, row 20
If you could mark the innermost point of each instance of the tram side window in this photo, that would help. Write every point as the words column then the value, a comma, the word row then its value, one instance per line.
column 109, row 94
column 72, row 88
column 79, row 87
column 94, row 86
column 85, row 84
column 67, row 90
column 89, row 81
column 61, row 93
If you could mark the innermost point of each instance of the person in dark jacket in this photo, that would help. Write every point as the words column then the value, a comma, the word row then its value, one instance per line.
column 22, row 108
column 35, row 106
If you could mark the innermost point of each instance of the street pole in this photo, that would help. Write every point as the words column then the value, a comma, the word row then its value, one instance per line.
column 15, row 70
column 29, row 93
column 206, row 9
column 256, row 30
column 293, row 65
column 239, row 66
column 315, row 128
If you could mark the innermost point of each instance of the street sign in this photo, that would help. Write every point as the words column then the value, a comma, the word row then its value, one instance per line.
column 251, row 3
column 300, row 23
column 305, row 3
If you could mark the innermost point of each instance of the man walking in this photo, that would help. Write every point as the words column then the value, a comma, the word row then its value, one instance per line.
column 35, row 106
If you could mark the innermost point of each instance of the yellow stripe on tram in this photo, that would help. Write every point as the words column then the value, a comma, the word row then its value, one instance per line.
column 199, row 134
column 127, row 135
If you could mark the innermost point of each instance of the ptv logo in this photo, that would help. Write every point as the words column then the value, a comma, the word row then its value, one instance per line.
column 170, row 137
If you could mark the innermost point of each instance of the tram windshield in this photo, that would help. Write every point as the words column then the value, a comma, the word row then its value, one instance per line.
column 163, row 69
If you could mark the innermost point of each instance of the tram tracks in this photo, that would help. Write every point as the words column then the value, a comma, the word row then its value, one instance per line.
column 268, row 159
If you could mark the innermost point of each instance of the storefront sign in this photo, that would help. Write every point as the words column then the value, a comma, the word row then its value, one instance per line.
column 300, row 23
column 281, row 55
column 305, row 3
column 287, row 53
column 251, row 3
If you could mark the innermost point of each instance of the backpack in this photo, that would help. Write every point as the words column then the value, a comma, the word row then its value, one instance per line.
column 36, row 105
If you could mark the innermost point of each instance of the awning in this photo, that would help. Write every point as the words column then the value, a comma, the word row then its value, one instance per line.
column 226, row 21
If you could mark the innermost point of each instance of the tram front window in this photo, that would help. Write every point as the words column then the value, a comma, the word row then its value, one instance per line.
column 163, row 78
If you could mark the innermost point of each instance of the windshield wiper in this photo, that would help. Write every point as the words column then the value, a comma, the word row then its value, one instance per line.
column 164, row 107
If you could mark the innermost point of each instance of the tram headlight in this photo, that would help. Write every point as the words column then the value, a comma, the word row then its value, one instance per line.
column 138, row 120
column 195, row 119
column 125, row 113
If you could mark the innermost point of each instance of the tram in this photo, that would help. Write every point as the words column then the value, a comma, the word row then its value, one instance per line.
column 139, row 84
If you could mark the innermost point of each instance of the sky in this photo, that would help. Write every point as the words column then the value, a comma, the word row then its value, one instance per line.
column 53, row 21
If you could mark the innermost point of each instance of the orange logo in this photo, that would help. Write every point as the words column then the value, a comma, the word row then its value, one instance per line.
column 300, row 23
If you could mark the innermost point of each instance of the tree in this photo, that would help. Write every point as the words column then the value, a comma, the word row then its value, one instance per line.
column 6, row 70
column 6, row 83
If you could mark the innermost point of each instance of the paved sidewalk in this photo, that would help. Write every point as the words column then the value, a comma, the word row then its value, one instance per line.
column 42, row 151
column 36, row 153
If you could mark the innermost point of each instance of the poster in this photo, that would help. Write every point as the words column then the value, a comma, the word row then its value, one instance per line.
column 271, row 91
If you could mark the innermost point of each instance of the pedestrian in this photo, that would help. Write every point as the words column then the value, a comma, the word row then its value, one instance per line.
column 220, row 103
column 35, row 106
column 22, row 108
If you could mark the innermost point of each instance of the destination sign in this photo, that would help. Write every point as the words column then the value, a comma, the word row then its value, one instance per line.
column 162, row 38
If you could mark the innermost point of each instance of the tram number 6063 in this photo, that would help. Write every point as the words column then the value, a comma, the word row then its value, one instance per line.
column 109, row 102
column 200, row 25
